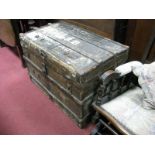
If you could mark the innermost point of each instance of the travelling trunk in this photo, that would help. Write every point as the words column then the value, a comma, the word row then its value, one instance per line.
column 66, row 62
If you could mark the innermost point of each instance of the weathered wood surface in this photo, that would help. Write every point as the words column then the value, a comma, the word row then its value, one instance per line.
column 78, row 52
column 78, row 110
column 79, row 91
column 66, row 62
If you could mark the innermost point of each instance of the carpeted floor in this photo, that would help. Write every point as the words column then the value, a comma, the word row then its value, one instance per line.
column 24, row 109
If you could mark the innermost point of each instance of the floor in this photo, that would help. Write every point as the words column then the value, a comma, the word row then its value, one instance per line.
column 24, row 108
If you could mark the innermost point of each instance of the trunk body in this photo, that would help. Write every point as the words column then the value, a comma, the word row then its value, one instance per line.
column 66, row 62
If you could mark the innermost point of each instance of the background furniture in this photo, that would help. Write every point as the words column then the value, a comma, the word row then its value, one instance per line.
column 7, row 35
column 118, row 106
column 141, row 39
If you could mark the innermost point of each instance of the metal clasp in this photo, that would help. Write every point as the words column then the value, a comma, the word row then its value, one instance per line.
column 43, row 57
column 44, row 68
column 69, row 87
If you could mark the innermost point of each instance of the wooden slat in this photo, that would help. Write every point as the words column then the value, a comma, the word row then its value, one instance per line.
column 90, row 37
column 68, row 56
column 80, row 46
